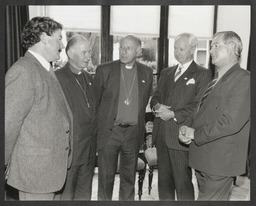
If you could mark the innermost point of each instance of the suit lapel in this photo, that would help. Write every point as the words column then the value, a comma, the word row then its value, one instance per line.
column 188, row 74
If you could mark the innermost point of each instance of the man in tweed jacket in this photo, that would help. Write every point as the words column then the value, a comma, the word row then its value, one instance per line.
column 38, row 120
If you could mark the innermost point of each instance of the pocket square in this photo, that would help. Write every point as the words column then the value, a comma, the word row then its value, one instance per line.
column 191, row 81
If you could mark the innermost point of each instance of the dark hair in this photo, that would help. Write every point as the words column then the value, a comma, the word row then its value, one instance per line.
column 35, row 27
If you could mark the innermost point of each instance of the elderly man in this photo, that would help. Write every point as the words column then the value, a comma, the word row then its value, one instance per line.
column 77, row 86
column 219, row 134
column 38, row 120
column 122, row 89
column 175, row 100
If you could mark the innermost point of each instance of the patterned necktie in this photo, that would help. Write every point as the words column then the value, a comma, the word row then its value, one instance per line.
column 178, row 72
column 209, row 88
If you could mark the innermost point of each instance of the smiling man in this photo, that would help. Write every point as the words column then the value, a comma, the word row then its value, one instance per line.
column 38, row 120
column 219, row 134
column 76, row 84
column 122, row 89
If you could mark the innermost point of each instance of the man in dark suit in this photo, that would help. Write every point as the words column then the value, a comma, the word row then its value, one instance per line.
column 77, row 86
column 219, row 134
column 122, row 89
column 38, row 120
column 178, row 93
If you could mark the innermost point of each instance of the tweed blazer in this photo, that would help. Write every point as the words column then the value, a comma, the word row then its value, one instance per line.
column 222, row 126
column 183, row 96
column 38, row 128
column 106, row 90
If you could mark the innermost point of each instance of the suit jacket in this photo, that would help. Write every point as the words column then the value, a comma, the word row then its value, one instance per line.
column 222, row 126
column 183, row 96
column 38, row 128
column 84, row 142
column 106, row 90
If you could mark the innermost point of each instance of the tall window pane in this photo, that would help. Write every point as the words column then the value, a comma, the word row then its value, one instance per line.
column 197, row 20
column 84, row 20
column 144, row 23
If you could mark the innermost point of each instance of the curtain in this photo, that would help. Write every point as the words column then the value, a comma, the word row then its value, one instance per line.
column 16, row 18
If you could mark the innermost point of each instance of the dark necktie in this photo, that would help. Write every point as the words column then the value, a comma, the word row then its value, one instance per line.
column 178, row 72
column 209, row 88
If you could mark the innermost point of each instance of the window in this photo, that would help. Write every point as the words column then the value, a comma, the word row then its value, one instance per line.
column 84, row 20
column 123, row 23
column 200, row 24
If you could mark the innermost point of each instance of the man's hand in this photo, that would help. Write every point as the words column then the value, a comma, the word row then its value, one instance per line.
column 164, row 112
column 186, row 134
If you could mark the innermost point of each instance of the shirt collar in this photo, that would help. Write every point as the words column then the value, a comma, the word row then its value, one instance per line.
column 42, row 60
column 185, row 66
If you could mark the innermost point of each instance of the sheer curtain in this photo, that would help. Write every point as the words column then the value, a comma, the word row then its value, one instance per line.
column 16, row 18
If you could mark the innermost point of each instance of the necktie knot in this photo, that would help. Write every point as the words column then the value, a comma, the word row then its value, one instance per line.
column 178, row 72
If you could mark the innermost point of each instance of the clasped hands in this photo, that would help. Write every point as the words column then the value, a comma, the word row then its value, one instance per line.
column 186, row 134
column 164, row 112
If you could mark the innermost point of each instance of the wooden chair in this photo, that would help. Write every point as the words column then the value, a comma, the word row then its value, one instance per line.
column 151, row 157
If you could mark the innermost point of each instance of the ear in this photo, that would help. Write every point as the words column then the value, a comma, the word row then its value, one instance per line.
column 70, row 54
column 232, row 47
column 192, row 50
column 43, row 38
column 139, row 50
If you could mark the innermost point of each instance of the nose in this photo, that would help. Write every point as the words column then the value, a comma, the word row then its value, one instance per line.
column 62, row 45
column 123, row 50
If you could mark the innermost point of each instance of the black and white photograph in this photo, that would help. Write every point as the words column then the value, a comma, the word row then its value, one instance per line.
column 111, row 102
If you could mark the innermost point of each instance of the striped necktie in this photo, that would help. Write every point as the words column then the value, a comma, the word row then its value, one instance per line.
column 209, row 88
column 178, row 72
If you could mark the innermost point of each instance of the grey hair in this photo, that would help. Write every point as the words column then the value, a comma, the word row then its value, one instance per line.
column 231, row 36
column 191, row 38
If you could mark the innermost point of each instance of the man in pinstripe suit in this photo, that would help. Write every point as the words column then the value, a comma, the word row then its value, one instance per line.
column 177, row 95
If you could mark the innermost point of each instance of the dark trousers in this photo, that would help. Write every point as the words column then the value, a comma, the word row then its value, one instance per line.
column 125, row 142
column 78, row 184
column 174, row 174
column 212, row 187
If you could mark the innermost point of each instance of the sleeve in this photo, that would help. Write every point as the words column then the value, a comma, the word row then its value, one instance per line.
column 234, row 115
column 185, row 115
column 156, row 98
column 98, row 86
column 19, row 97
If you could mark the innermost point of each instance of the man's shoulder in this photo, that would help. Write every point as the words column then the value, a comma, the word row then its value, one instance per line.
column 144, row 67
column 168, row 69
column 25, row 66
column 109, row 64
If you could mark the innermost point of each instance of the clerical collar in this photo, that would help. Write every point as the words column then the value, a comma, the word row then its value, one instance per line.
column 126, row 66
column 74, row 70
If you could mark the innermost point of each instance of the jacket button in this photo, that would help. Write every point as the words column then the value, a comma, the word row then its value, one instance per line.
column 67, row 148
column 67, row 131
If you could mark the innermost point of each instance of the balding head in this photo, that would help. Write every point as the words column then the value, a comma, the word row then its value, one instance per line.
column 78, row 51
column 76, row 40
column 132, row 38
column 130, row 48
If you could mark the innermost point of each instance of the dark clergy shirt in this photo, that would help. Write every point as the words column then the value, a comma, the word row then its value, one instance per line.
column 82, row 115
column 128, row 114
